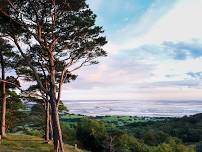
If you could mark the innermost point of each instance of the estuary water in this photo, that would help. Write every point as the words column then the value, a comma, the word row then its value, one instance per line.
column 134, row 108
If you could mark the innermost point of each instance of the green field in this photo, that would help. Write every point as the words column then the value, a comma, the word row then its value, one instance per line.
column 72, row 119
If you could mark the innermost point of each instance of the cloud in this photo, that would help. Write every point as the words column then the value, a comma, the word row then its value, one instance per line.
column 147, row 67
column 181, row 23
column 146, row 21
column 113, row 72
column 157, row 55
column 184, row 50
column 195, row 75
column 166, row 51
column 180, row 83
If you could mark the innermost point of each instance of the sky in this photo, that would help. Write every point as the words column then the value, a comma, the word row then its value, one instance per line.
column 154, row 52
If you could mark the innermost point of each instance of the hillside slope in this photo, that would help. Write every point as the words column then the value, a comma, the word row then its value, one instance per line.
column 25, row 143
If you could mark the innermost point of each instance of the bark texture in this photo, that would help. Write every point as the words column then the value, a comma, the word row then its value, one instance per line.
column 3, row 116
column 57, row 133
column 47, row 133
column 3, row 110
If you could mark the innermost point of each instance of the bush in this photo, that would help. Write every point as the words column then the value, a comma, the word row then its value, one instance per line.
column 33, row 132
column 199, row 147
column 126, row 143
column 69, row 134
column 173, row 145
column 91, row 134
column 154, row 138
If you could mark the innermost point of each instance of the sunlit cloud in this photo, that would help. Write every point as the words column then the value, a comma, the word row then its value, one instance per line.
column 155, row 52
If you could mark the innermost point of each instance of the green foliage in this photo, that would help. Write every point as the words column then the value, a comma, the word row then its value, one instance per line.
column 126, row 143
column 75, row 38
column 173, row 146
column 122, row 120
column 188, row 129
column 37, row 117
column 7, row 55
column 152, row 137
column 97, row 137
column 163, row 148
column 199, row 147
column 30, row 122
column 91, row 134
column 69, row 134
column 62, row 107
column 15, row 116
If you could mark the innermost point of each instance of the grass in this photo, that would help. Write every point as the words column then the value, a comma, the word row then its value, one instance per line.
column 25, row 143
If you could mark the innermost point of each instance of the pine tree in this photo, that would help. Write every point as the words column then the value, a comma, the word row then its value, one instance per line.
column 67, row 38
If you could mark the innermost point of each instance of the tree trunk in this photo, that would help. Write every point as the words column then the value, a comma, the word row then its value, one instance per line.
column 3, row 111
column 47, row 133
column 57, row 133
column 50, row 127
column 3, row 115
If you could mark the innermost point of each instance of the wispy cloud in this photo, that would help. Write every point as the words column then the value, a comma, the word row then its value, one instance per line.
column 180, row 23
column 155, row 52
column 195, row 75
column 184, row 50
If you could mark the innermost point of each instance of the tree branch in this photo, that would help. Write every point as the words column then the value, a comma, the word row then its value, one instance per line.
column 17, row 86
column 30, row 65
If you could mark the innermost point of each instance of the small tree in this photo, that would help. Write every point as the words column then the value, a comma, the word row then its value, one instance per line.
column 6, row 62
column 67, row 39
column 14, row 115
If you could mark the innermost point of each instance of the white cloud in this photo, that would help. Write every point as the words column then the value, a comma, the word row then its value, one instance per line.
column 182, row 23
column 116, row 93
column 134, row 80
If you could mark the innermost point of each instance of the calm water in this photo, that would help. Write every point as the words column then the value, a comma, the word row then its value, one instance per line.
column 134, row 108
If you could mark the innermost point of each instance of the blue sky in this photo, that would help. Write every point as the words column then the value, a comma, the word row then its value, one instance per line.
column 154, row 52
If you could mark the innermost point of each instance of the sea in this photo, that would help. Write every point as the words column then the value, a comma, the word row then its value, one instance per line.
column 162, row 108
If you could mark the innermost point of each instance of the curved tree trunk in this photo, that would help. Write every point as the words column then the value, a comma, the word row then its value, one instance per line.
column 57, row 133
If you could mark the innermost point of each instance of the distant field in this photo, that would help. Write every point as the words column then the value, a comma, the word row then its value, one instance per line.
column 72, row 119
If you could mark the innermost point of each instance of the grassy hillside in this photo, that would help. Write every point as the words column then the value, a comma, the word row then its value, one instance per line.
column 25, row 143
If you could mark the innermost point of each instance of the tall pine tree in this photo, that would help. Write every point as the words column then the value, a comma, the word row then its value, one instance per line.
column 66, row 35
